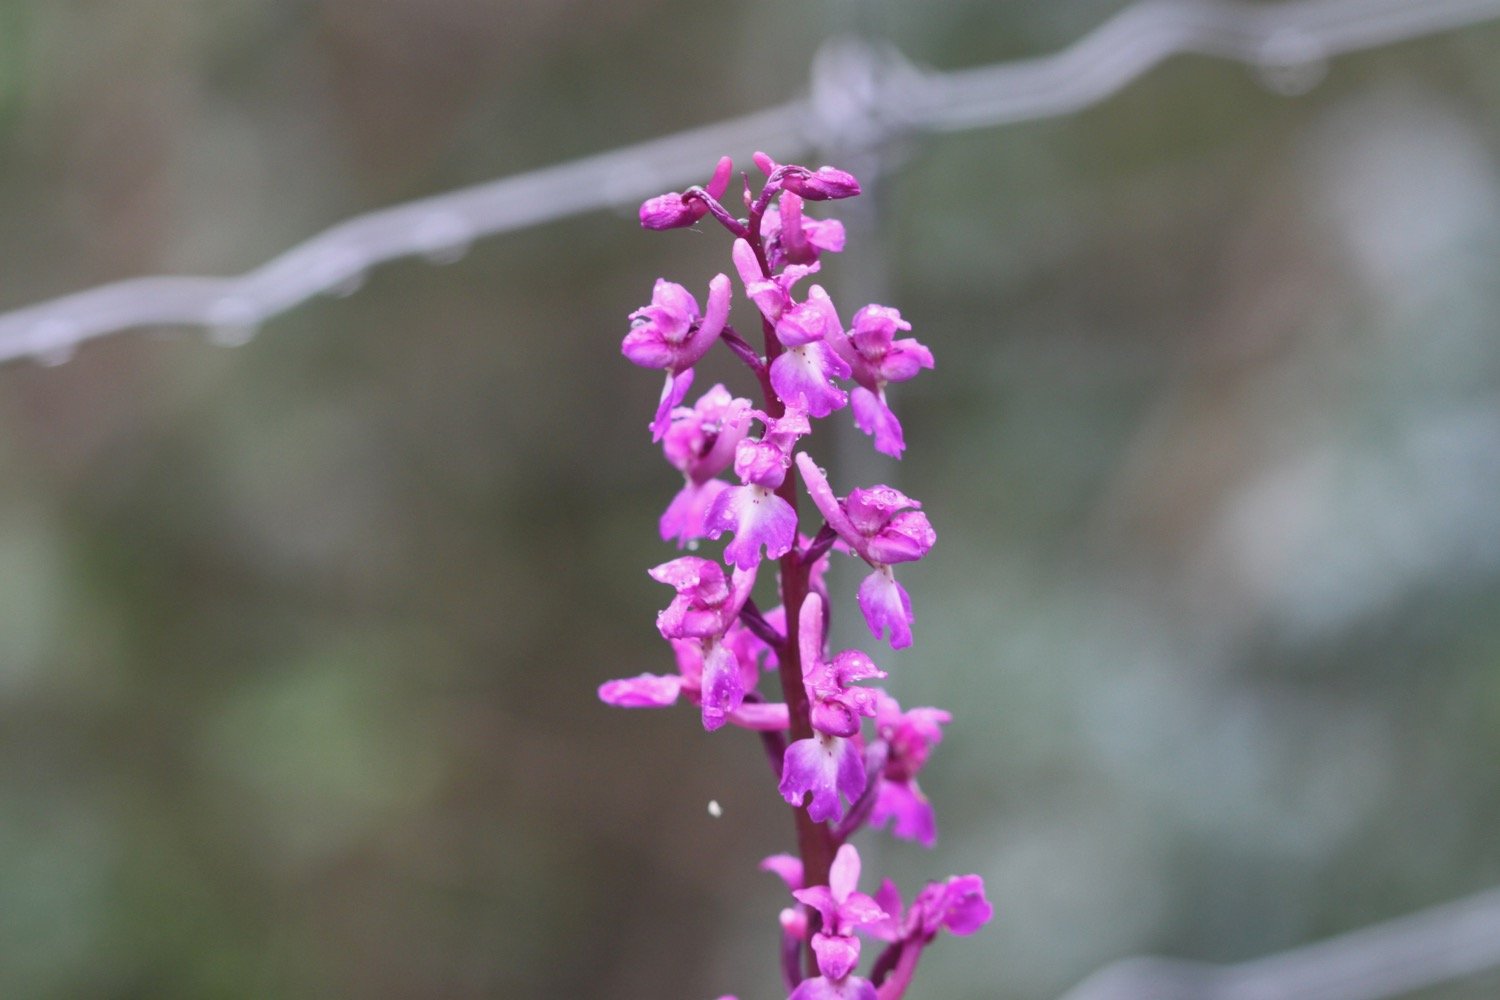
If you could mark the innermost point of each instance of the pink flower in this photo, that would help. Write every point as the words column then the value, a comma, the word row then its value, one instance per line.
column 758, row 518
column 814, row 185
column 719, row 705
column 821, row 767
column 909, row 737
column 766, row 461
column 843, row 909
column 706, row 604
column 876, row 358
column 701, row 443
column 837, row 706
column 957, row 904
column 672, row 211
column 792, row 238
column 882, row 526
column 772, row 295
column 670, row 333
column 821, row 184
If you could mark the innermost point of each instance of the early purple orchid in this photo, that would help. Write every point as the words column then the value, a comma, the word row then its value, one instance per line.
column 673, row 210
column 840, row 775
column 701, row 443
column 670, row 333
column 882, row 526
column 876, row 358
column 842, row 908
column 793, row 238
column 909, row 737
column 957, row 905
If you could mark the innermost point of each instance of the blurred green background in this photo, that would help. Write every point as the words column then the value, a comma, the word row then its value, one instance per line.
column 299, row 640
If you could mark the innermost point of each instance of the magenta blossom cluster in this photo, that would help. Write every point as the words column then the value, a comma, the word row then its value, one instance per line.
column 845, row 753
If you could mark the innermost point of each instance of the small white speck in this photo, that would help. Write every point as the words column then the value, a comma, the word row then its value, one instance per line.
column 714, row 809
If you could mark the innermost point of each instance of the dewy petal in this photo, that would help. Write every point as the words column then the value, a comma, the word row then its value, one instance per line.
column 644, row 691
column 886, row 607
column 827, row 504
column 810, row 633
column 906, row 537
column 685, row 515
column 874, row 417
column 704, row 577
column 757, row 517
column 644, row 346
column 812, row 321
column 768, row 296
column 669, row 211
column 822, row 184
column 762, row 717
column 804, row 375
column 760, row 463
column 821, row 767
column 701, row 440
column 872, row 508
column 713, row 322
column 905, row 358
column 723, row 687
column 672, row 395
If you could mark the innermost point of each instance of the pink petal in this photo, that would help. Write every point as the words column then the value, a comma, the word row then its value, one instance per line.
column 804, row 374
column 644, row 691
column 837, row 955
column 874, row 417
column 821, row 767
column 671, row 396
column 758, row 518
column 904, row 802
column 713, row 322
column 785, row 866
column 762, row 717
column 827, row 504
column 722, row 686
column 843, row 874
column 685, row 515
column 886, row 607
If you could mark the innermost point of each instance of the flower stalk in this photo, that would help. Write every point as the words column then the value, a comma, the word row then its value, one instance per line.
column 845, row 755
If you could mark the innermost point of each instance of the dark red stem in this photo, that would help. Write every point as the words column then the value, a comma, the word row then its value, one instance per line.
column 815, row 841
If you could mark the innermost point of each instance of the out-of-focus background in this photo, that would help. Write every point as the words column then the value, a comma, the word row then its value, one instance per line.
column 299, row 639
